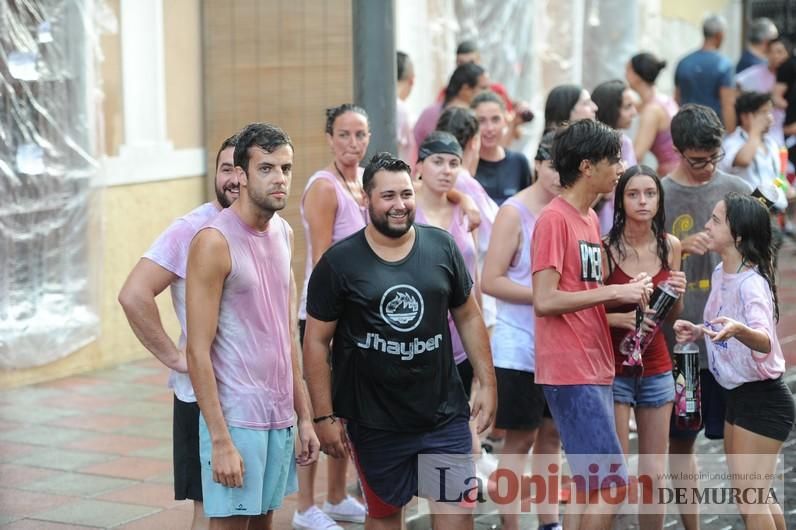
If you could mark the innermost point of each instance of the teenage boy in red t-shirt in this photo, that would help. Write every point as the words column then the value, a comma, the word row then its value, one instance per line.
column 574, row 355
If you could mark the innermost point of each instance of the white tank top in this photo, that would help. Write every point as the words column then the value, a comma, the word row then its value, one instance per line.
column 513, row 335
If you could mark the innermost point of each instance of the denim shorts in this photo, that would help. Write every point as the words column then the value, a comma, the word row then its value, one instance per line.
column 652, row 391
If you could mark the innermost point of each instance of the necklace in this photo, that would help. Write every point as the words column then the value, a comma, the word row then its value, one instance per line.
column 358, row 187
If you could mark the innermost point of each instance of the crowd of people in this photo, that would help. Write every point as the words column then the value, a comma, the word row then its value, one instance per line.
column 453, row 290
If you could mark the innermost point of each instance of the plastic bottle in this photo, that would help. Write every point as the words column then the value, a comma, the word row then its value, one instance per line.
column 635, row 342
column 687, row 390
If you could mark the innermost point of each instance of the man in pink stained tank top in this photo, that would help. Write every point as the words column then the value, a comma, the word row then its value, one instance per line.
column 162, row 266
column 242, row 347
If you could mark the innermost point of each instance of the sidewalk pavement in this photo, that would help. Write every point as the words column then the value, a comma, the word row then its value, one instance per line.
column 94, row 450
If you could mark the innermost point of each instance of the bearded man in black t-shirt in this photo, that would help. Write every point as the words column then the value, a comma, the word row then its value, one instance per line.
column 381, row 298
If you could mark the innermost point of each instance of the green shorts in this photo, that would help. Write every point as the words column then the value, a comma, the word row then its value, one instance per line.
column 269, row 472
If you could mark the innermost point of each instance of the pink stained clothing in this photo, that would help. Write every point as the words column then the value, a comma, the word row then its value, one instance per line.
column 349, row 218
column 746, row 298
column 606, row 213
column 662, row 146
column 407, row 149
column 251, row 353
column 466, row 245
column 759, row 78
column 427, row 122
column 170, row 251
column 488, row 209
column 572, row 348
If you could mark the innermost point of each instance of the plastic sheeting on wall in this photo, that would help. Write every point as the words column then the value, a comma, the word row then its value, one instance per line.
column 49, row 142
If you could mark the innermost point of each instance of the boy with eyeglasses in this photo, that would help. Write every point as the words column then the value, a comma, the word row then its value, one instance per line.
column 690, row 192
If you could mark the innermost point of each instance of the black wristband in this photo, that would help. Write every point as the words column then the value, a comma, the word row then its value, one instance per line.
column 327, row 417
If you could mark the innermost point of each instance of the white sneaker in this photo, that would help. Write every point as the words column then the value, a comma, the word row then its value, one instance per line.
column 348, row 510
column 313, row 519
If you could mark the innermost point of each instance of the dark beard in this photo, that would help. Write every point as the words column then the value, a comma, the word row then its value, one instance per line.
column 222, row 199
column 382, row 224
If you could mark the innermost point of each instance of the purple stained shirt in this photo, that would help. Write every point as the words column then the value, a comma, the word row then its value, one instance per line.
column 349, row 218
column 251, row 352
column 170, row 251
column 606, row 213
column 466, row 245
column 426, row 123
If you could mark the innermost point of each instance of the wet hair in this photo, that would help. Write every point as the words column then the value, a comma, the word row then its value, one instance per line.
column 560, row 102
column 583, row 140
column 332, row 113
column 696, row 127
column 226, row 144
column 608, row 98
column 545, row 149
column 761, row 30
column 266, row 136
column 466, row 46
column 487, row 96
column 382, row 162
column 404, row 65
column 750, row 226
column 466, row 74
column 712, row 25
column 615, row 240
column 647, row 66
column 750, row 102
column 460, row 122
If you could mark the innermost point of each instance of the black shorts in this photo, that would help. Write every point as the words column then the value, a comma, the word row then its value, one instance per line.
column 187, row 469
column 465, row 370
column 393, row 467
column 762, row 407
column 521, row 402
column 714, row 406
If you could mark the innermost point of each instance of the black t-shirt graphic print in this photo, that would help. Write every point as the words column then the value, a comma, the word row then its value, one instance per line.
column 392, row 363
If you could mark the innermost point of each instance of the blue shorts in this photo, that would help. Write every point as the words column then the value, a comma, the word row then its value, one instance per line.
column 584, row 415
column 391, row 472
column 269, row 472
column 653, row 391
column 714, row 408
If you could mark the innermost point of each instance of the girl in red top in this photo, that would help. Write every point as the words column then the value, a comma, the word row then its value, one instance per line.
column 636, row 244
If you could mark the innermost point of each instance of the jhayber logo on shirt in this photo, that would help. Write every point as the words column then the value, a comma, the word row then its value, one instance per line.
column 401, row 308
column 591, row 264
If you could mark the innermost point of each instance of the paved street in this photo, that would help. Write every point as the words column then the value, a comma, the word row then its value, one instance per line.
column 94, row 450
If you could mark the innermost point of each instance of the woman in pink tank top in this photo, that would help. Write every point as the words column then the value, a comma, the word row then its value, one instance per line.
column 439, row 163
column 655, row 113
column 332, row 208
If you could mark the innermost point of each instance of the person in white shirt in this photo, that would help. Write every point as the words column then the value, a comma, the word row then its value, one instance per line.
column 750, row 151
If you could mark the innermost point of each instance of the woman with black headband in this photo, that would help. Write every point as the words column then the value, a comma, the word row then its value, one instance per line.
column 438, row 165
column 522, row 410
